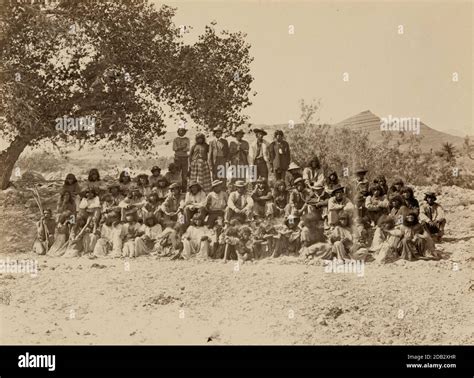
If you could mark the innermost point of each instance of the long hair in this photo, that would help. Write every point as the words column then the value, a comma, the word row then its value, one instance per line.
column 92, row 172
column 122, row 175
column 68, row 176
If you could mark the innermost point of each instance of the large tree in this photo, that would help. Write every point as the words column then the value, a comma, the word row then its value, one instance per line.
column 123, row 63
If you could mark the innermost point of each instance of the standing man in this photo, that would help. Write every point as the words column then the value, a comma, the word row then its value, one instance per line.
column 258, row 154
column 279, row 152
column 218, row 153
column 181, row 154
column 239, row 152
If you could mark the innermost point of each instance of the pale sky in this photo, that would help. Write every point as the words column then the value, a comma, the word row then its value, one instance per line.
column 403, row 75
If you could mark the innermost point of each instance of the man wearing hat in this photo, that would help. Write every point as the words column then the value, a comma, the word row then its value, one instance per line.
column 258, row 153
column 239, row 204
column 279, row 153
column 181, row 147
column 173, row 204
column 318, row 202
column 337, row 204
column 216, row 203
column 359, row 190
column 239, row 150
column 293, row 172
column 432, row 216
column 218, row 153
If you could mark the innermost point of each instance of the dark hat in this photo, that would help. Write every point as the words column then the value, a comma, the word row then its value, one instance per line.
column 194, row 183
column 216, row 129
column 155, row 168
column 337, row 188
column 260, row 131
column 361, row 170
column 430, row 194
column 239, row 131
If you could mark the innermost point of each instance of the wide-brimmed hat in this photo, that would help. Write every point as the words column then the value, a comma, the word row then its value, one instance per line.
column 240, row 184
column 216, row 129
column 216, row 183
column 260, row 131
column 293, row 166
column 361, row 170
column 155, row 168
column 337, row 188
column 298, row 180
column 239, row 131
column 430, row 194
column 194, row 183
column 174, row 185
column 316, row 186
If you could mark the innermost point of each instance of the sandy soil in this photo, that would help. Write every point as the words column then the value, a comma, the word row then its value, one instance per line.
column 281, row 301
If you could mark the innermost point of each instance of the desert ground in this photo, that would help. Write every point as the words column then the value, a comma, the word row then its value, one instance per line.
column 271, row 301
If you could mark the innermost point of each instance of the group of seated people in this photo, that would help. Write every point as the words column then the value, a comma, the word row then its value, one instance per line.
column 304, row 216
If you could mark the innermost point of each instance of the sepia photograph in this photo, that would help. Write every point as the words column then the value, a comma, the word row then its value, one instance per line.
column 237, row 173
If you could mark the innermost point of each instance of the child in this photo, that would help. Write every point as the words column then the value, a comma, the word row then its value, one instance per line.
column 230, row 239
column 280, row 198
column 216, row 202
column 432, row 216
column 359, row 191
column 61, row 235
column 90, row 205
column 143, row 185
column 145, row 244
column 131, row 230
column 45, row 229
column 337, row 204
column 79, row 242
column 194, row 201
column 244, row 247
column 262, row 199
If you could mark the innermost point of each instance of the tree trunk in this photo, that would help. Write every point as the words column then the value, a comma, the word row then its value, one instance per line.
column 8, row 159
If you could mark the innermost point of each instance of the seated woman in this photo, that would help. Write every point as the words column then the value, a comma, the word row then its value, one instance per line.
column 168, row 243
column 313, row 174
column 94, row 182
column 125, row 182
column 45, row 229
column 145, row 244
column 262, row 199
column 61, row 235
column 280, row 199
column 376, row 203
column 155, row 176
column 109, row 238
column 90, row 206
column 398, row 209
column 143, row 185
column 432, row 216
column 194, row 202
column 346, row 241
column 409, row 199
column 80, row 241
column 196, row 239
column 385, row 244
column 131, row 231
